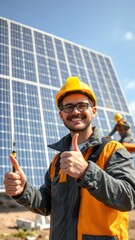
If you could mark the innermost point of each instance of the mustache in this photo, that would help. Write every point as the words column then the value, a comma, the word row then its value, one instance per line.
column 77, row 116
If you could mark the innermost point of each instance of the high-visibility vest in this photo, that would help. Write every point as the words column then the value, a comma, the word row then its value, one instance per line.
column 94, row 217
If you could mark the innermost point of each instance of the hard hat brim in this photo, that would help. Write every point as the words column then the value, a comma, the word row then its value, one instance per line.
column 61, row 95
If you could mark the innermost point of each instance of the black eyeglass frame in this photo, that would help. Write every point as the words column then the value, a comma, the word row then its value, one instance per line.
column 73, row 106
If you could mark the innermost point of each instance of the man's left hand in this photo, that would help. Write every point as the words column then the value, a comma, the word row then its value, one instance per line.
column 73, row 162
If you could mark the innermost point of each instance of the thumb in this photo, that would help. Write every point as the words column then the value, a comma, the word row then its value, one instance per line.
column 15, row 164
column 75, row 142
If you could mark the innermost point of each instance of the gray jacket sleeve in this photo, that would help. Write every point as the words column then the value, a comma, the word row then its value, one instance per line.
column 113, row 131
column 126, row 125
column 114, row 186
column 37, row 200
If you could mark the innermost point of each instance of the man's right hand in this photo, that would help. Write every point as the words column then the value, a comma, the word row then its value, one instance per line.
column 14, row 181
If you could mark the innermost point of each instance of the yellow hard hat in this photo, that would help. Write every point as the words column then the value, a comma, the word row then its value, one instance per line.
column 117, row 117
column 73, row 84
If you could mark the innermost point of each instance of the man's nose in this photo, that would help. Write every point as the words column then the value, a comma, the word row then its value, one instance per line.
column 75, row 109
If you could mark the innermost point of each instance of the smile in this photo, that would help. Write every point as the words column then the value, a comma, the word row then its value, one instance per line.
column 76, row 119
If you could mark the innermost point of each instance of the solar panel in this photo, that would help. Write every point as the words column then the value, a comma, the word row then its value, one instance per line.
column 33, row 66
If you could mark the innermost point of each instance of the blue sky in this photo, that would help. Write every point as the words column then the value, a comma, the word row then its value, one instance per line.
column 106, row 26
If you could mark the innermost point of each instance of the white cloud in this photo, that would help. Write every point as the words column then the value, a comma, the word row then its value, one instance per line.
column 132, row 108
column 129, row 36
column 130, row 85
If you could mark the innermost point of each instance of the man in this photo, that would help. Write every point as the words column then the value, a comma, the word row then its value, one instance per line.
column 86, row 200
column 124, row 130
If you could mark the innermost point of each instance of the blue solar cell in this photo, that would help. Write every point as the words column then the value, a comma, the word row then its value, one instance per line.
column 39, row 65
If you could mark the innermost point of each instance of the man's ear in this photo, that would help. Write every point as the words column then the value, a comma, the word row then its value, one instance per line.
column 94, row 110
column 61, row 115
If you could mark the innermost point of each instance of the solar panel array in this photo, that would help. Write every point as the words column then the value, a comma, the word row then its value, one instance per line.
column 33, row 66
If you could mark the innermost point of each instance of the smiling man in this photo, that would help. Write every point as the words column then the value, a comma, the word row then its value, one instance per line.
column 76, row 112
column 88, row 198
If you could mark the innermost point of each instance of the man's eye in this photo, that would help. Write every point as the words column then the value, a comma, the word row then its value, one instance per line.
column 82, row 105
column 68, row 107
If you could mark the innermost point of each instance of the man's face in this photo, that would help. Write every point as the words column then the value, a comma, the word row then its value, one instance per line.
column 77, row 120
column 120, row 122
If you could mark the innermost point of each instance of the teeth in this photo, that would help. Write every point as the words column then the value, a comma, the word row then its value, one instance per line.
column 76, row 119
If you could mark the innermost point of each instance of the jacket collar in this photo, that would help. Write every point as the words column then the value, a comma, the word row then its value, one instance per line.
column 64, row 143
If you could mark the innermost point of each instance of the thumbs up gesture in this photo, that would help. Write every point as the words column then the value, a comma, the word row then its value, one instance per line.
column 14, row 181
column 73, row 162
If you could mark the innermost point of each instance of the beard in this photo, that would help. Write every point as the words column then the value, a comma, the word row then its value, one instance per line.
column 77, row 129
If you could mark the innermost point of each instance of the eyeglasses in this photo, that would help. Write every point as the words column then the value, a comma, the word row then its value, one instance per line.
column 81, row 106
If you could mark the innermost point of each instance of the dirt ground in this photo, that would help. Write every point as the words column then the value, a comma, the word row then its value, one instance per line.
column 10, row 211
column 8, row 224
column 9, row 215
